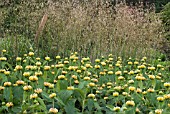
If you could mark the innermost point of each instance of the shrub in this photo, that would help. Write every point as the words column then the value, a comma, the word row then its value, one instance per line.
column 165, row 16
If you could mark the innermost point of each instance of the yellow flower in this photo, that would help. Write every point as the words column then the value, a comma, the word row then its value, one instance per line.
column 18, row 67
column 115, row 94
column 136, row 62
column 88, row 65
column 118, row 73
column 33, row 78
column 74, row 77
column 116, row 108
column 110, row 72
column 26, row 74
column 97, row 60
column 18, row 59
column 47, row 67
column 86, row 78
column 26, row 88
column 91, row 96
column 109, row 83
column 3, row 58
column 66, row 62
column 52, row 95
column 94, row 80
column 33, row 96
column 70, row 88
column 168, row 104
column 103, row 63
column 167, row 96
column 138, row 90
column 7, row 84
column 4, row 51
column 47, row 84
column 132, row 88
column 60, row 77
column 38, row 63
column 130, row 103
column 158, row 111
column 141, row 66
column 160, row 98
column 37, row 58
column 118, row 88
column 159, row 66
column 130, row 63
column 47, row 58
column 78, row 71
column 167, row 84
column 76, row 82
column 110, row 59
column 2, row 88
column 118, row 64
column 131, row 81
column 97, row 66
column 125, row 93
column 7, row 72
column 105, row 98
column 38, row 73
column 64, row 72
column 131, row 72
column 92, row 84
column 20, row 82
column 58, row 57
column 150, row 90
column 121, row 78
column 151, row 77
column 151, row 68
column 9, row 104
column 38, row 90
column 31, row 53
column 53, row 110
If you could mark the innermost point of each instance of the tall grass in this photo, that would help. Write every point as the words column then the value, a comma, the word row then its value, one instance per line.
column 95, row 28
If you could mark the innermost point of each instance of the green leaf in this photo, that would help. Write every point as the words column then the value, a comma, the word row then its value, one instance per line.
column 18, row 92
column 62, row 84
column 43, row 106
column 6, row 93
column 82, row 84
column 16, row 109
column 70, row 107
column 45, row 96
column 64, row 95
column 40, row 82
column 96, row 105
column 60, row 101
column 90, row 104
column 110, row 107
column 80, row 92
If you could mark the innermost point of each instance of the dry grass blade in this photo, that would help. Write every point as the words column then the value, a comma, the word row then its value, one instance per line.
column 40, row 28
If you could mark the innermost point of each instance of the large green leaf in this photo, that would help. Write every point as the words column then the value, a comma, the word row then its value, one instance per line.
column 64, row 95
column 80, row 92
column 7, row 93
column 62, row 84
column 70, row 107
column 90, row 104
column 43, row 106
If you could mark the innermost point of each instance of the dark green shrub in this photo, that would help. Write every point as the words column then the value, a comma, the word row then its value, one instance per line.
column 166, row 20
column 165, row 16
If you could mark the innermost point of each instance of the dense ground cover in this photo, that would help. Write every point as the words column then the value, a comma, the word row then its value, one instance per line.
column 75, row 85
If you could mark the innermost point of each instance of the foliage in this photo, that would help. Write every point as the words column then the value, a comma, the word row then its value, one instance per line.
column 76, row 86
column 165, row 17
column 166, row 20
